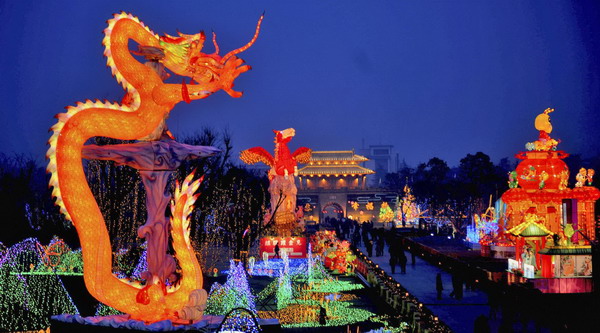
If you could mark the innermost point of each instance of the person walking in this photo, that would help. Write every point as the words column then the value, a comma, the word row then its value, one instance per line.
column 439, row 287
column 393, row 257
column 277, row 251
column 459, row 285
column 322, row 316
column 356, row 236
column 494, row 301
column 369, row 246
column 402, row 261
column 365, row 236
column 379, row 246
column 398, row 250
column 454, row 292
column 482, row 325
column 393, row 261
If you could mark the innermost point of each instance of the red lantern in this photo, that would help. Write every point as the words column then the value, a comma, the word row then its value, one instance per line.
column 535, row 163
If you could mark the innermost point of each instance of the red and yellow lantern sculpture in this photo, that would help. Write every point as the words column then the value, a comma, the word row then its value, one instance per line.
column 539, row 185
column 141, row 116
column 550, row 222
column 281, row 176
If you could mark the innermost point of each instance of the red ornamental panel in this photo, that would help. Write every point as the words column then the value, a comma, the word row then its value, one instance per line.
column 544, row 167
column 515, row 195
column 295, row 247
column 587, row 193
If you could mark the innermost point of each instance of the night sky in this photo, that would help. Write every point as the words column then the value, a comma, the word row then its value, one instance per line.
column 432, row 78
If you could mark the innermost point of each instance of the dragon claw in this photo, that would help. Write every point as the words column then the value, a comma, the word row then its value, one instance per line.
column 233, row 93
column 244, row 68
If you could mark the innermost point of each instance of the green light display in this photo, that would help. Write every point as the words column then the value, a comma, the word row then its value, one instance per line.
column 284, row 291
column 235, row 293
column 29, row 293
column 335, row 286
column 300, row 304
column 28, row 301
column 305, row 314
column 105, row 310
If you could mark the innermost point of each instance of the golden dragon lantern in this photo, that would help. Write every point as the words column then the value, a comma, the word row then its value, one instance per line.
column 141, row 116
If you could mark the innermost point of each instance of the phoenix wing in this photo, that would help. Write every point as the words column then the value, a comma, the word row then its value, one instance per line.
column 255, row 155
column 302, row 155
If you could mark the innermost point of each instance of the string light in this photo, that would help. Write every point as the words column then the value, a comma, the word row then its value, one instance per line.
column 235, row 293
column 284, row 291
column 385, row 213
column 29, row 293
column 239, row 320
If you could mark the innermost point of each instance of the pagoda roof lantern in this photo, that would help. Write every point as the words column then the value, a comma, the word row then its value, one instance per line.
column 567, row 250
column 530, row 228
column 335, row 163
column 337, row 155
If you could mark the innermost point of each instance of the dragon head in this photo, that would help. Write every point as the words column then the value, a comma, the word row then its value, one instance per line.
column 183, row 56
column 284, row 136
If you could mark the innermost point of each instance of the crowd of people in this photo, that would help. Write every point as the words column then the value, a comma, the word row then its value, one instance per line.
column 359, row 234
column 373, row 239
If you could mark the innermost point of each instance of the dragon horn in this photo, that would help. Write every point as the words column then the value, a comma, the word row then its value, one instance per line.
column 247, row 46
column 215, row 42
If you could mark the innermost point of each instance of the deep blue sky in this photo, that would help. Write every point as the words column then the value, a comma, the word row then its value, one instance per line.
column 432, row 78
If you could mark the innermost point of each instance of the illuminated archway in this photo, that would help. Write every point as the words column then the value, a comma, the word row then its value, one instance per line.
column 332, row 210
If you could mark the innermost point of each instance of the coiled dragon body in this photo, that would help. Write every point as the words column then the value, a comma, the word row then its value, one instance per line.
column 142, row 117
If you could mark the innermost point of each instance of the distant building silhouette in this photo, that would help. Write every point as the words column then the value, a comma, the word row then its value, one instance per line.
column 381, row 159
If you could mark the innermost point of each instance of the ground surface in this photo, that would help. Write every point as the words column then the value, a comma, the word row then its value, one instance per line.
column 459, row 315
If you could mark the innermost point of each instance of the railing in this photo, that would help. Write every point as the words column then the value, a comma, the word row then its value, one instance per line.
column 305, row 190
column 250, row 326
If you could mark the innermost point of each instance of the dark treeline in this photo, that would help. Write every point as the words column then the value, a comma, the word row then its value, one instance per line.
column 26, row 204
column 455, row 194
column 233, row 198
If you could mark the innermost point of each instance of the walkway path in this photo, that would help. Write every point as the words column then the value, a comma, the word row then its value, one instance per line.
column 459, row 315
column 419, row 280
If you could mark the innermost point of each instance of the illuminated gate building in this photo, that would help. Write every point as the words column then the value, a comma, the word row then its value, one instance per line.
column 334, row 185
